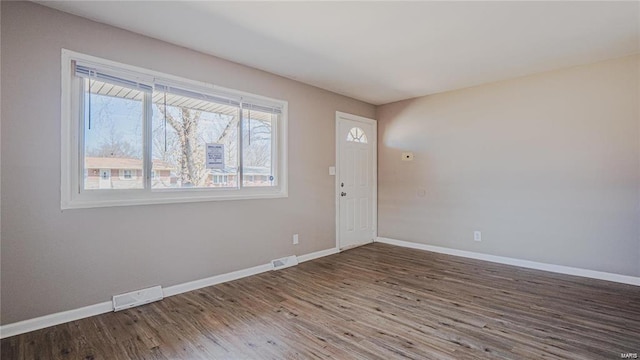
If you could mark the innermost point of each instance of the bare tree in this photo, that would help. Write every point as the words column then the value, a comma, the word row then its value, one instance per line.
column 114, row 149
column 228, row 133
column 185, row 122
column 165, row 144
column 112, row 139
column 113, row 144
column 184, row 145
column 257, row 143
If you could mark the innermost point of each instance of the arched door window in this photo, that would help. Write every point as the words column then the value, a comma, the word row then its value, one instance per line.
column 356, row 134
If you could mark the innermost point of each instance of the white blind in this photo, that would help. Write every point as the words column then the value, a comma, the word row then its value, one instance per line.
column 122, row 78
column 231, row 100
column 197, row 95
column 253, row 106
column 89, row 71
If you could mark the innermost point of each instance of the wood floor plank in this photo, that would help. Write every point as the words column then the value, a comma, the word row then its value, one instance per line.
column 373, row 302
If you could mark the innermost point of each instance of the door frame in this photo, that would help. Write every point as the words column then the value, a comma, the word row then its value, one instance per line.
column 374, row 197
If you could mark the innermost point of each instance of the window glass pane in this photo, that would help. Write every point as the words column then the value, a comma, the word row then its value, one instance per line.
column 356, row 134
column 257, row 143
column 182, row 127
column 113, row 142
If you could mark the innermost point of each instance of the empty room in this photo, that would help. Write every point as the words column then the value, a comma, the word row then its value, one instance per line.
column 319, row 180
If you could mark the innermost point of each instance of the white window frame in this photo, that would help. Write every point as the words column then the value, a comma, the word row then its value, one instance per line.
column 132, row 174
column 73, row 197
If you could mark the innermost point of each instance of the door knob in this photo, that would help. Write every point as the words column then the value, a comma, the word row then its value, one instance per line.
column 343, row 194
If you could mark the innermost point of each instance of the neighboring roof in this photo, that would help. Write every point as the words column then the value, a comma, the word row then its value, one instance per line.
column 121, row 163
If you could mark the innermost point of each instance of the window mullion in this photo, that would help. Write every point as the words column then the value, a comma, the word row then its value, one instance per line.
column 81, row 135
column 274, row 150
column 148, row 141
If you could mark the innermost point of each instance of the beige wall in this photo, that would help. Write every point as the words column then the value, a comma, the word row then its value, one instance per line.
column 546, row 166
column 54, row 261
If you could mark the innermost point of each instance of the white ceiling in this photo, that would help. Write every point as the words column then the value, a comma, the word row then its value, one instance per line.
column 382, row 52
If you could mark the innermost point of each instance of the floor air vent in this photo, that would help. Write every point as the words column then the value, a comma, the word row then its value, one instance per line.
column 284, row 262
column 136, row 298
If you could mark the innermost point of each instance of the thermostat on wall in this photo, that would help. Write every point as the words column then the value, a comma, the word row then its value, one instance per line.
column 407, row 156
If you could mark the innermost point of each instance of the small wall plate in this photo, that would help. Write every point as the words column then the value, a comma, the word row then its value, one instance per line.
column 407, row 156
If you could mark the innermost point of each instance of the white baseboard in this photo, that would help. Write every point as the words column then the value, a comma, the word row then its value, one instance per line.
column 235, row 275
column 42, row 322
column 215, row 280
column 600, row 275
column 318, row 254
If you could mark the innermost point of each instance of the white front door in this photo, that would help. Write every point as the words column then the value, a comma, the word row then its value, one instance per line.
column 356, row 180
column 105, row 179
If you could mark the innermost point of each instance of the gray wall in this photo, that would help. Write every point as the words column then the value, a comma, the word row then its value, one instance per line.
column 546, row 166
column 54, row 261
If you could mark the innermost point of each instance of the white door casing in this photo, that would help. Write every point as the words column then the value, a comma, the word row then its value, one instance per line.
column 356, row 180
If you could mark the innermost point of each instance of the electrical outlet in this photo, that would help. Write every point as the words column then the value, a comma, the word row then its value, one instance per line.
column 477, row 236
column 295, row 239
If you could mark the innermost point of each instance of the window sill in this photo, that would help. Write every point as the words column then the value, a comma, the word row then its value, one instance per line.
column 174, row 197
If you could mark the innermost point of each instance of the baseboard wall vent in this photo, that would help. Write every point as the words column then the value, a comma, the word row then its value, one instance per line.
column 137, row 298
column 284, row 262
column 25, row 326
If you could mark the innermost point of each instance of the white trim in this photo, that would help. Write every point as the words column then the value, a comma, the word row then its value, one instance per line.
column 318, row 254
column 561, row 269
column 337, row 181
column 42, row 322
column 67, row 133
column 344, row 115
column 167, row 199
column 215, row 280
column 374, row 197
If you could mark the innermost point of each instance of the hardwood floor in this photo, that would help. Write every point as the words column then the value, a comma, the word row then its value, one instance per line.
column 373, row 302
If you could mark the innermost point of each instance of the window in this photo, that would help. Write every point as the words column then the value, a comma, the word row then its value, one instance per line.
column 112, row 124
column 169, row 139
column 356, row 134
column 126, row 174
